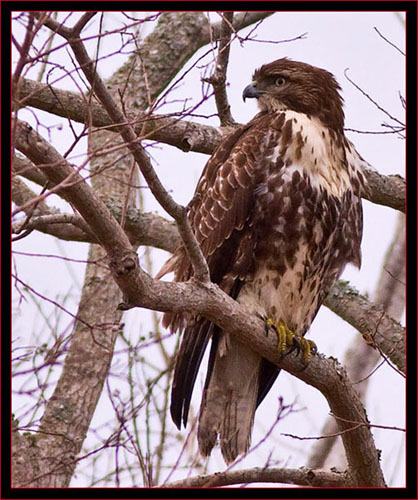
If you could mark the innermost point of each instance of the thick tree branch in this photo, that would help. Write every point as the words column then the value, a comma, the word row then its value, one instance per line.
column 22, row 195
column 25, row 168
column 142, row 229
column 185, row 135
column 377, row 328
column 301, row 477
column 387, row 190
column 43, row 218
column 68, row 227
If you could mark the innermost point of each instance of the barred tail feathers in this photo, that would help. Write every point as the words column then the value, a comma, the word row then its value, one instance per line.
column 229, row 400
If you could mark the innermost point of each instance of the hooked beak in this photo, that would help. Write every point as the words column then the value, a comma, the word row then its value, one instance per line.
column 250, row 91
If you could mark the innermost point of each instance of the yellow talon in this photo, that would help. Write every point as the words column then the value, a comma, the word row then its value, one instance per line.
column 288, row 340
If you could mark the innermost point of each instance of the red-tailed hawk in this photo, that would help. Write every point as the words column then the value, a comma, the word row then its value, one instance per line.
column 277, row 213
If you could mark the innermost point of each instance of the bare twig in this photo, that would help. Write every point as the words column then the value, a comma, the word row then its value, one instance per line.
column 218, row 79
column 355, row 425
column 372, row 100
column 241, row 20
column 24, row 50
column 394, row 130
column 389, row 42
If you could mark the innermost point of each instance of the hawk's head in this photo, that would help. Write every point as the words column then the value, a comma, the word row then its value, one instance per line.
column 286, row 84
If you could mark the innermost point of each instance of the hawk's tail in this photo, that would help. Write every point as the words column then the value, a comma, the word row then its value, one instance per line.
column 189, row 357
column 230, row 399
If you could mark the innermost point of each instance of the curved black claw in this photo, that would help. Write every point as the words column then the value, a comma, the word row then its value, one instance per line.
column 289, row 341
column 297, row 346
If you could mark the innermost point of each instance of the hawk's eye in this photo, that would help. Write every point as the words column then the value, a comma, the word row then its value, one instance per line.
column 280, row 81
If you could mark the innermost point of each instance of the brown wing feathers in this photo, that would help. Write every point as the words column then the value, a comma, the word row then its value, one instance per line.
column 217, row 216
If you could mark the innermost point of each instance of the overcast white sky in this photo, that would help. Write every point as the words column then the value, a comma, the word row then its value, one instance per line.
column 334, row 41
